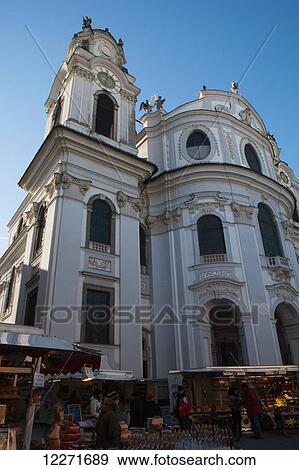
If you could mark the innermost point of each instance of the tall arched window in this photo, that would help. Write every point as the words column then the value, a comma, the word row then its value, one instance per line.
column 269, row 231
column 100, row 223
column 210, row 235
column 252, row 158
column 10, row 290
column 142, row 249
column 104, row 121
column 20, row 226
column 40, row 229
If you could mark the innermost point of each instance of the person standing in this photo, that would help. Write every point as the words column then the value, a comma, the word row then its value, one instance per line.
column 183, row 409
column 107, row 427
column 151, row 408
column 254, row 409
column 235, row 404
column 137, row 411
column 95, row 404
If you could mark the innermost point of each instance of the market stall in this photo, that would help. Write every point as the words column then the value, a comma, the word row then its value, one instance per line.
column 73, row 392
column 276, row 386
column 26, row 355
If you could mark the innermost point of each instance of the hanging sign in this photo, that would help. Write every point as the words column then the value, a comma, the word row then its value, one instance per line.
column 39, row 380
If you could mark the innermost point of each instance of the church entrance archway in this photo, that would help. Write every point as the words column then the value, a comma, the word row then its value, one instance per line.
column 227, row 341
column 287, row 329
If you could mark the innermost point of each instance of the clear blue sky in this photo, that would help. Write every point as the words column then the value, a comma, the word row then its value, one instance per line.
column 172, row 48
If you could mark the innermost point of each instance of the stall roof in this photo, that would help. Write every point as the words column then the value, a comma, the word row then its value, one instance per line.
column 240, row 370
column 115, row 375
column 12, row 339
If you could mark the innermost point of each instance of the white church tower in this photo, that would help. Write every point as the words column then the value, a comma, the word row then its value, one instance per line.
column 75, row 238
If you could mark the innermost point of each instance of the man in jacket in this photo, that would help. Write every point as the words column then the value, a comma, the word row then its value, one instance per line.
column 108, row 428
column 183, row 409
column 254, row 409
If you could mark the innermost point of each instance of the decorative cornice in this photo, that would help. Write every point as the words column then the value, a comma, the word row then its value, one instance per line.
column 243, row 214
column 195, row 203
column 82, row 72
column 167, row 217
column 64, row 181
column 136, row 202
column 31, row 214
column 128, row 96
column 284, row 292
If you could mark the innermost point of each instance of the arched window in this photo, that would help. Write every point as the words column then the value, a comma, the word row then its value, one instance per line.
column 252, row 158
column 142, row 249
column 295, row 214
column 210, row 235
column 57, row 113
column 10, row 290
column 269, row 231
column 40, row 229
column 100, row 222
column 104, row 116
column 20, row 226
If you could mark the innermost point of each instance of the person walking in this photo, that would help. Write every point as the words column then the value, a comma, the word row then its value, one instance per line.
column 253, row 407
column 183, row 409
column 107, row 427
column 235, row 404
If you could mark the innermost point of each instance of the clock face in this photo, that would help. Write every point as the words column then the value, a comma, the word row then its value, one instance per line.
column 106, row 80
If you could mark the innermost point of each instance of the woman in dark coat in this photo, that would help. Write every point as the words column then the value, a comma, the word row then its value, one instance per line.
column 108, row 428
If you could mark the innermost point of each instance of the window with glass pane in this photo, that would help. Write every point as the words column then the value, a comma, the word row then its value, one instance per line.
column 100, row 222
column 97, row 317
column 269, row 232
column 142, row 246
column 198, row 145
column 31, row 308
column 10, row 291
column 252, row 158
column 210, row 235
column 104, row 116
column 41, row 222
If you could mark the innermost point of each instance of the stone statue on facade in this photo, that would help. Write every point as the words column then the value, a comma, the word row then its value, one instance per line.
column 86, row 22
column 234, row 87
column 146, row 106
column 159, row 101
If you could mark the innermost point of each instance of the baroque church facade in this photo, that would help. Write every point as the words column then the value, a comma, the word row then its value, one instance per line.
column 171, row 249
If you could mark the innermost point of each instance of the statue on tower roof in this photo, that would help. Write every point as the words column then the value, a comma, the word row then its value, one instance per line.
column 86, row 22
column 234, row 87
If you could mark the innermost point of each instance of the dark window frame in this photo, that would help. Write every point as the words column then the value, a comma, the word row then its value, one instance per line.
column 112, row 134
column 112, row 221
column 32, row 316
column 40, row 230
column 211, row 239
column 269, row 232
column 111, row 292
column 252, row 158
column 10, row 290
column 143, row 251
column 203, row 141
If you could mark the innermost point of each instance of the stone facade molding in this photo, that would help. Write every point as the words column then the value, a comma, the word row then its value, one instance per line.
column 125, row 202
column 168, row 217
column 196, row 204
column 242, row 214
column 283, row 293
column 70, row 185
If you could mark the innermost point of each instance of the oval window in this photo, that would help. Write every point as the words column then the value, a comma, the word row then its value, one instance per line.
column 198, row 145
